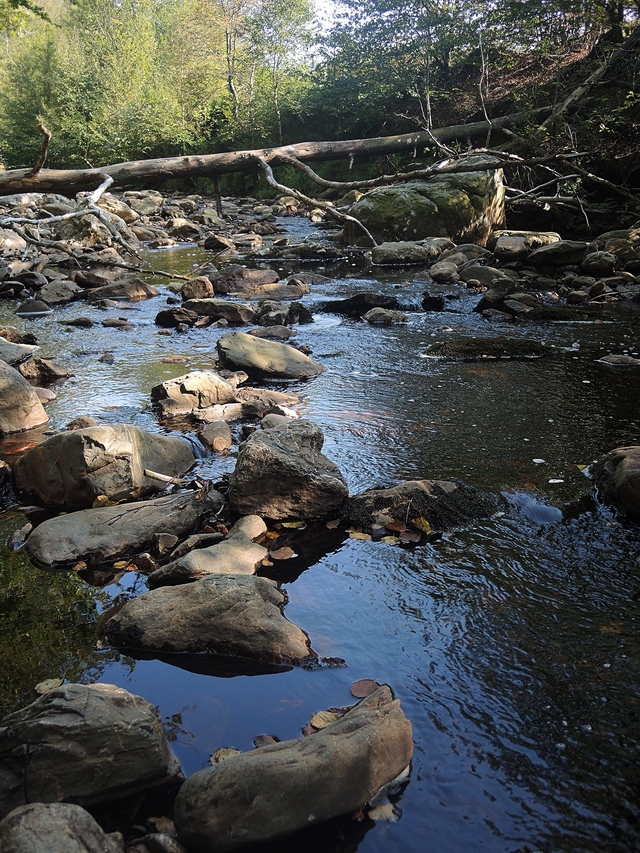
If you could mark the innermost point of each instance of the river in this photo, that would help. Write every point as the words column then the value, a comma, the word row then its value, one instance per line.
column 513, row 645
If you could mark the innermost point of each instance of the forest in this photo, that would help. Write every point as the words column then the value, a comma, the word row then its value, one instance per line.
column 118, row 80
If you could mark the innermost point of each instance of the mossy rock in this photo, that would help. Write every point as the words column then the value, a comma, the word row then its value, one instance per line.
column 473, row 349
column 561, row 313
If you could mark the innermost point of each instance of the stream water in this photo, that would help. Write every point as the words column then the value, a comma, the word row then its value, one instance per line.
column 513, row 645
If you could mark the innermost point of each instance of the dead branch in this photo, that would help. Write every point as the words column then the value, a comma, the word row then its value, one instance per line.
column 43, row 149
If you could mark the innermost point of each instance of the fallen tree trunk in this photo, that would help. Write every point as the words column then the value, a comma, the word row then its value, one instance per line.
column 137, row 173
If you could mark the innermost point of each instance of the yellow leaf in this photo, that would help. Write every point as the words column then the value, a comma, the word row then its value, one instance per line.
column 271, row 534
column 390, row 540
column 294, row 525
column 121, row 564
column 422, row 524
column 581, row 467
column 356, row 535
column 79, row 566
column 322, row 719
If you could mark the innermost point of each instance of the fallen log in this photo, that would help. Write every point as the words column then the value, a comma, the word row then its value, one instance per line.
column 139, row 173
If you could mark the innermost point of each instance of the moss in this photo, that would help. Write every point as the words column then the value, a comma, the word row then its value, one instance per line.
column 471, row 349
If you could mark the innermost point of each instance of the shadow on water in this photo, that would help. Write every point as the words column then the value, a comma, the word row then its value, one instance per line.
column 512, row 645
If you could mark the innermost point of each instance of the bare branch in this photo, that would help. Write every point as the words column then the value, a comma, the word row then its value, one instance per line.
column 43, row 150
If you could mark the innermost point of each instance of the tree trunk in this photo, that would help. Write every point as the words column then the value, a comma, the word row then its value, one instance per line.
column 136, row 173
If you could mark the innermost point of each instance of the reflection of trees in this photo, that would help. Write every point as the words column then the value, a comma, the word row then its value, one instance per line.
column 47, row 627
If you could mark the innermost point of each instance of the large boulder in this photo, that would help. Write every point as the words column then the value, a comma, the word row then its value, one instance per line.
column 196, row 390
column 442, row 503
column 56, row 828
column 280, row 788
column 71, row 469
column 281, row 473
column 20, row 406
column 617, row 477
column 83, row 744
column 262, row 358
column 465, row 207
column 234, row 615
column 115, row 531
column 13, row 354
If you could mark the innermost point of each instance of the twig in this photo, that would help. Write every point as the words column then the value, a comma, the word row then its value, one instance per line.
column 43, row 150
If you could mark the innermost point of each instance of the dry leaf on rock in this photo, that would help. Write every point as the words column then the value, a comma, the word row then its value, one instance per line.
column 422, row 524
column 308, row 730
column 322, row 719
column 390, row 540
column 223, row 753
column 357, row 535
column 284, row 553
column 79, row 566
column 48, row 684
column 264, row 740
column 396, row 526
column 364, row 687
column 409, row 536
column 294, row 525
column 331, row 525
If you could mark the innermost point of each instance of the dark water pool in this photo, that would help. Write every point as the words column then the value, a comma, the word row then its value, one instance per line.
column 513, row 645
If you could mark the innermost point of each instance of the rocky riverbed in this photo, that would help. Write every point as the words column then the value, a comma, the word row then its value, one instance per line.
column 397, row 494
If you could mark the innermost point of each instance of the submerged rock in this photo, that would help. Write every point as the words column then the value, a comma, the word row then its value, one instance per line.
column 196, row 390
column 259, row 357
column 20, row 406
column 443, row 504
column 617, row 478
column 73, row 468
column 358, row 304
column 283, row 787
column 115, row 531
column 85, row 744
column 281, row 473
column 234, row 615
column 56, row 828
column 472, row 349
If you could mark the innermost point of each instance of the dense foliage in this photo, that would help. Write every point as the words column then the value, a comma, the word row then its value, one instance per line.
column 125, row 79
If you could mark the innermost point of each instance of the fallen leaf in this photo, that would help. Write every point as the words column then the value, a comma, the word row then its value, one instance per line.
column 383, row 812
column 422, row 524
column 264, row 740
column 271, row 534
column 364, row 687
column 266, row 562
column 308, row 730
column 294, row 525
column 396, row 526
column 79, row 566
column 390, row 540
column 322, row 719
column 331, row 525
column 409, row 536
column 223, row 753
column 581, row 467
column 358, row 535
column 48, row 684
column 121, row 564
column 284, row 553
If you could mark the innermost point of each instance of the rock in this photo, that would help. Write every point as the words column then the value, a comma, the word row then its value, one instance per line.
column 516, row 245
column 86, row 744
column 577, row 297
column 444, row 504
column 617, row 478
column 130, row 288
column 282, row 787
column 197, row 288
column 56, row 828
column 117, row 207
column 281, row 473
column 20, row 407
column 199, row 389
column 59, row 292
column 466, row 206
column 72, row 469
column 11, row 242
column 216, row 436
column 433, row 302
column 33, row 308
column 359, row 304
column 444, row 271
column 277, row 291
column 43, row 371
column 232, row 312
column 620, row 360
column 276, row 333
column 559, row 254
column 259, row 358
column 235, row 615
column 183, row 229
column 82, row 422
column 402, row 253
column 237, row 555
column 218, row 243
column 474, row 348
column 384, row 317
column 599, row 263
column 169, row 318
column 236, row 278
column 45, row 395
column 487, row 276
column 144, row 202
column 96, row 535
column 15, row 353
column 87, row 230
column 495, row 296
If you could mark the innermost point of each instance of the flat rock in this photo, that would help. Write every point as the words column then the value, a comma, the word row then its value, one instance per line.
column 558, row 254
column 20, row 406
column 444, row 504
column 384, row 317
column 196, row 390
column 360, row 303
column 85, row 744
column 114, row 531
column 233, row 615
column 131, row 288
column 260, row 358
column 404, row 252
column 277, row 290
column 12, row 353
column 281, row 473
column 59, row 292
column 232, row 312
column 55, row 828
column 236, row 278
column 72, row 468
column 474, row 348
column 273, row 791
column 235, row 556
column 617, row 478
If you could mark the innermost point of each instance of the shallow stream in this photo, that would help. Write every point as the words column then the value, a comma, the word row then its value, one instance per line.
column 513, row 645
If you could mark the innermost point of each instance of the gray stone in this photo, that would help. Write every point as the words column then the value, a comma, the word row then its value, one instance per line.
column 55, row 828
column 59, row 292
column 599, row 263
column 183, row 229
column 115, row 531
column 144, row 202
column 216, row 436
column 85, row 744
column 276, row 333
column 487, row 276
column 283, row 787
column 285, row 291
column 20, row 407
column 236, row 278
column 238, row 555
column 197, row 288
column 281, row 473
column 199, row 389
column 403, row 252
column 73, row 468
column 116, row 207
column 232, row 312
column 131, row 288
column 43, row 371
column 14, row 353
column 236, row 615
column 562, row 253
column 617, row 478
column 444, row 271
column 260, row 358
column 516, row 245
column 384, row 317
